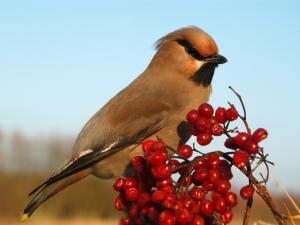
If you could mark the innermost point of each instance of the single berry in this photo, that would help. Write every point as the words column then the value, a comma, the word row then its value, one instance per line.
column 120, row 203
column 216, row 129
column 198, row 220
column 118, row 185
column 207, row 207
column 130, row 182
column 208, row 186
column 185, row 151
column 197, row 193
column 166, row 217
column 199, row 162
column 161, row 172
column 213, row 175
column 259, row 135
column 230, row 143
column 240, row 158
column 158, row 195
column 213, row 160
column 204, row 139
column 220, row 205
column 222, row 186
column 247, row 192
column 200, row 175
column 220, row 115
column 231, row 199
column 158, row 158
column 202, row 124
column 241, row 138
column 226, row 217
column 147, row 146
column 132, row 194
column 192, row 116
column 251, row 146
column 184, row 217
column 206, row 110
column 232, row 114
column 125, row 221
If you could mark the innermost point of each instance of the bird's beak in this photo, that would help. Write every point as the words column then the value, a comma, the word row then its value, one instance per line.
column 216, row 59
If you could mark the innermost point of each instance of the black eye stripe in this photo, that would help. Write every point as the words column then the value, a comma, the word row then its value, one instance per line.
column 190, row 49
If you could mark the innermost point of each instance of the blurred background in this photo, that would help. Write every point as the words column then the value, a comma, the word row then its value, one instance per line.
column 61, row 61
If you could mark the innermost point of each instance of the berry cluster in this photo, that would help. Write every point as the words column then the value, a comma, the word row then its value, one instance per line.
column 150, row 195
column 201, row 195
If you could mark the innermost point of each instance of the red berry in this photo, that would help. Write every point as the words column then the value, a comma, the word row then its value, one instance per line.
column 132, row 194
column 118, row 186
column 198, row 220
column 185, row 151
column 231, row 199
column 213, row 160
column 207, row 207
column 184, row 217
column 204, row 139
column 197, row 193
column 130, row 182
column 138, row 221
column 241, row 138
column 161, row 172
column 208, row 186
column 213, row 120
column 192, row 116
column 144, row 198
column 158, row 195
column 214, row 195
column 173, row 163
column 200, row 175
column 206, row 110
column 225, row 170
column 251, row 146
column 240, row 158
column 216, row 129
column 259, row 135
column 164, row 182
column 222, row 186
column 232, row 114
column 202, row 124
column 125, row 221
column 133, row 211
column 169, row 201
column 152, row 213
column 147, row 146
column 220, row 205
column 226, row 217
column 166, row 217
column 213, row 175
column 158, row 158
column 138, row 163
column 159, row 146
column 120, row 203
column 220, row 115
column 199, row 162
column 230, row 143
column 247, row 192
column 167, row 189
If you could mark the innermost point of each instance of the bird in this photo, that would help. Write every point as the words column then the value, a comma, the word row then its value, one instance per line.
column 177, row 79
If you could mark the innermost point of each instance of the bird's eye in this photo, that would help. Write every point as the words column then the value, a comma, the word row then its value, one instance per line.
column 190, row 49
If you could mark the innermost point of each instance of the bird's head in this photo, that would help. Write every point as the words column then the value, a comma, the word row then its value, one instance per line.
column 189, row 52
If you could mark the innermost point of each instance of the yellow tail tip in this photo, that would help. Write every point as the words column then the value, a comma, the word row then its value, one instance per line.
column 24, row 217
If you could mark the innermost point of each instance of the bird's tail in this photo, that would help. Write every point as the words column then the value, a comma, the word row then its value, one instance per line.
column 50, row 190
column 71, row 173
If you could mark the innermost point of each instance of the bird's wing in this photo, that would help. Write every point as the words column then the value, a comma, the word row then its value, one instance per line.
column 143, row 123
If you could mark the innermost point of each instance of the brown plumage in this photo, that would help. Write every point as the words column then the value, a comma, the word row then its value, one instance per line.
column 177, row 79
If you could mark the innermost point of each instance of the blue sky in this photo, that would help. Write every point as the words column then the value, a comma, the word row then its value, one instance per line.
column 60, row 61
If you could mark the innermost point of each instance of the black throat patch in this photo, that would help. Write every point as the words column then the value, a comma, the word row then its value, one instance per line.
column 204, row 75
